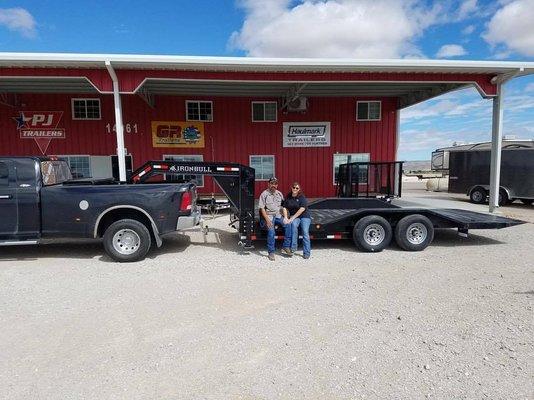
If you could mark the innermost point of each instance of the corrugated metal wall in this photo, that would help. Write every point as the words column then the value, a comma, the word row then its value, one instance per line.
column 230, row 137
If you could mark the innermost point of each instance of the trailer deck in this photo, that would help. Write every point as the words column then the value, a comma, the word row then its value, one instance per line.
column 335, row 218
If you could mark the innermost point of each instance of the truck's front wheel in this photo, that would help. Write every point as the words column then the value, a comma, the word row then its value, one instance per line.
column 127, row 240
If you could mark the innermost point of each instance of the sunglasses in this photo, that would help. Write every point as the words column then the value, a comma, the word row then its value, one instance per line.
column 296, row 187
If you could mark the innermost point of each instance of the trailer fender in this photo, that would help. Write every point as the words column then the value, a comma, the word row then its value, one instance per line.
column 509, row 193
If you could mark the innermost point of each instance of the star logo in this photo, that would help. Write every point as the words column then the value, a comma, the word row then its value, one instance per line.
column 21, row 121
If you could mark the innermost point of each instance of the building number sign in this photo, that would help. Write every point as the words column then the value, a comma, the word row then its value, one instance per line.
column 128, row 128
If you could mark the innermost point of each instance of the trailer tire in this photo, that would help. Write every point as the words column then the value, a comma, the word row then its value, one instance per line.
column 503, row 198
column 414, row 232
column 127, row 240
column 478, row 195
column 372, row 233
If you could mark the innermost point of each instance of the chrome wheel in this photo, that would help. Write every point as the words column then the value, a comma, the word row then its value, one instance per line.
column 374, row 234
column 126, row 241
column 416, row 233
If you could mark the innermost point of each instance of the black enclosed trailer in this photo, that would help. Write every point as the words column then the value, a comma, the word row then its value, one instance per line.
column 469, row 173
column 370, row 222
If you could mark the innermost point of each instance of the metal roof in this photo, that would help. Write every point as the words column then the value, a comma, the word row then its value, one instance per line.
column 408, row 92
column 74, row 60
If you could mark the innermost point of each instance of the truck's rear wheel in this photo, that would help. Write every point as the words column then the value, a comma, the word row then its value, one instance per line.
column 414, row 232
column 127, row 240
column 372, row 233
column 478, row 195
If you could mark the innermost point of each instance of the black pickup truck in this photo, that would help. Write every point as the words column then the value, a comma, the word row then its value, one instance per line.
column 40, row 200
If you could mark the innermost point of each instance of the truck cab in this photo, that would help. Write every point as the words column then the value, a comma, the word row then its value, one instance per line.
column 20, row 184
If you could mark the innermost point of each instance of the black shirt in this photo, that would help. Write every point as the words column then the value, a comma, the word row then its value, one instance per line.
column 294, row 203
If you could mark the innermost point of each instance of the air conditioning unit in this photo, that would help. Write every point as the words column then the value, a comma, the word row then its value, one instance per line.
column 298, row 104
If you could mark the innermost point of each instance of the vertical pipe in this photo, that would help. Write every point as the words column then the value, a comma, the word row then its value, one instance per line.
column 496, row 146
column 118, row 123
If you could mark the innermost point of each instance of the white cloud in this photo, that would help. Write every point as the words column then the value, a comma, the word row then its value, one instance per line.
column 468, row 7
column 511, row 26
column 451, row 50
column 468, row 29
column 335, row 28
column 19, row 20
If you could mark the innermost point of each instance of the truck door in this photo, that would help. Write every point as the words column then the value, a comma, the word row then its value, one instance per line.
column 28, row 175
column 8, row 200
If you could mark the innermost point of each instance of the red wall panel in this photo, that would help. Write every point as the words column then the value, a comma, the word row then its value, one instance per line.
column 230, row 137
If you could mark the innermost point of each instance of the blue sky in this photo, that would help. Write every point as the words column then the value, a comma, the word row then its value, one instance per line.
column 450, row 29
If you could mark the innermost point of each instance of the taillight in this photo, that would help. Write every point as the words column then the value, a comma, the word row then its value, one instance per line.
column 186, row 203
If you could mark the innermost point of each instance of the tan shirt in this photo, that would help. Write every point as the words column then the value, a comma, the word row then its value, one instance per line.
column 271, row 202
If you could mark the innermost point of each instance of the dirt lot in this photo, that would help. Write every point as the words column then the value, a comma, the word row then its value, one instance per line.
column 198, row 319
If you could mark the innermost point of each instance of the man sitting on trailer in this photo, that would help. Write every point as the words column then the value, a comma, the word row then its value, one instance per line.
column 271, row 210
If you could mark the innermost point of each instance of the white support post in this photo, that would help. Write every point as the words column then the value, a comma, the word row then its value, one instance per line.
column 496, row 146
column 121, row 156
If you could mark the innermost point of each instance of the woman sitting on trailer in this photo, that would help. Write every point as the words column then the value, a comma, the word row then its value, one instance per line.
column 296, row 205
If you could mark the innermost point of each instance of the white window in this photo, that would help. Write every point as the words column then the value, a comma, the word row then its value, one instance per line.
column 85, row 109
column 264, row 111
column 368, row 110
column 197, row 179
column 199, row 110
column 348, row 158
column 264, row 166
column 80, row 166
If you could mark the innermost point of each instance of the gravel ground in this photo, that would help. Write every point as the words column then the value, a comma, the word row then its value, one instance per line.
column 199, row 320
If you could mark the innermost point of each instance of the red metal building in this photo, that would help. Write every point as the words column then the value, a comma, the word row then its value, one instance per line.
column 296, row 119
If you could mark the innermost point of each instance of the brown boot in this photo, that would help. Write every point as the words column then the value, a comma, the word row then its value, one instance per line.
column 271, row 256
column 287, row 251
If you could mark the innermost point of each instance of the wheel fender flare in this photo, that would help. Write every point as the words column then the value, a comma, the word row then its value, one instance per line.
column 155, row 231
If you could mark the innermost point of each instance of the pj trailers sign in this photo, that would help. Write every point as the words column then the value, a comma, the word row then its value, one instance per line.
column 306, row 134
column 41, row 126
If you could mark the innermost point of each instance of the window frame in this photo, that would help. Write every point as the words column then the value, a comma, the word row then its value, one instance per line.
column 68, row 156
column 262, row 155
column 198, row 102
column 368, row 110
column 345, row 154
column 73, row 99
column 263, row 102
column 187, row 155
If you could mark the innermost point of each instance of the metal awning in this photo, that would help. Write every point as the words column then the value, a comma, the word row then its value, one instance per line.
column 407, row 92
column 46, row 85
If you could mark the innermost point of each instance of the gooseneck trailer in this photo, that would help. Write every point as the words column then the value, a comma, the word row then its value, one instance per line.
column 370, row 222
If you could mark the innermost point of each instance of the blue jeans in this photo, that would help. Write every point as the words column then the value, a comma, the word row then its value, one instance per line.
column 304, row 224
column 271, row 233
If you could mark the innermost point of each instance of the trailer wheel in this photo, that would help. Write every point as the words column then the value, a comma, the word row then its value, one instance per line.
column 372, row 233
column 503, row 198
column 478, row 195
column 414, row 232
column 127, row 240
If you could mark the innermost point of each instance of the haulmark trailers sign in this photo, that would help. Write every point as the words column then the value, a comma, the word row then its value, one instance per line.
column 306, row 134
column 41, row 126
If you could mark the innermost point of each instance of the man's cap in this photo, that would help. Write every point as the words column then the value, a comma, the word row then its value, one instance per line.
column 273, row 180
